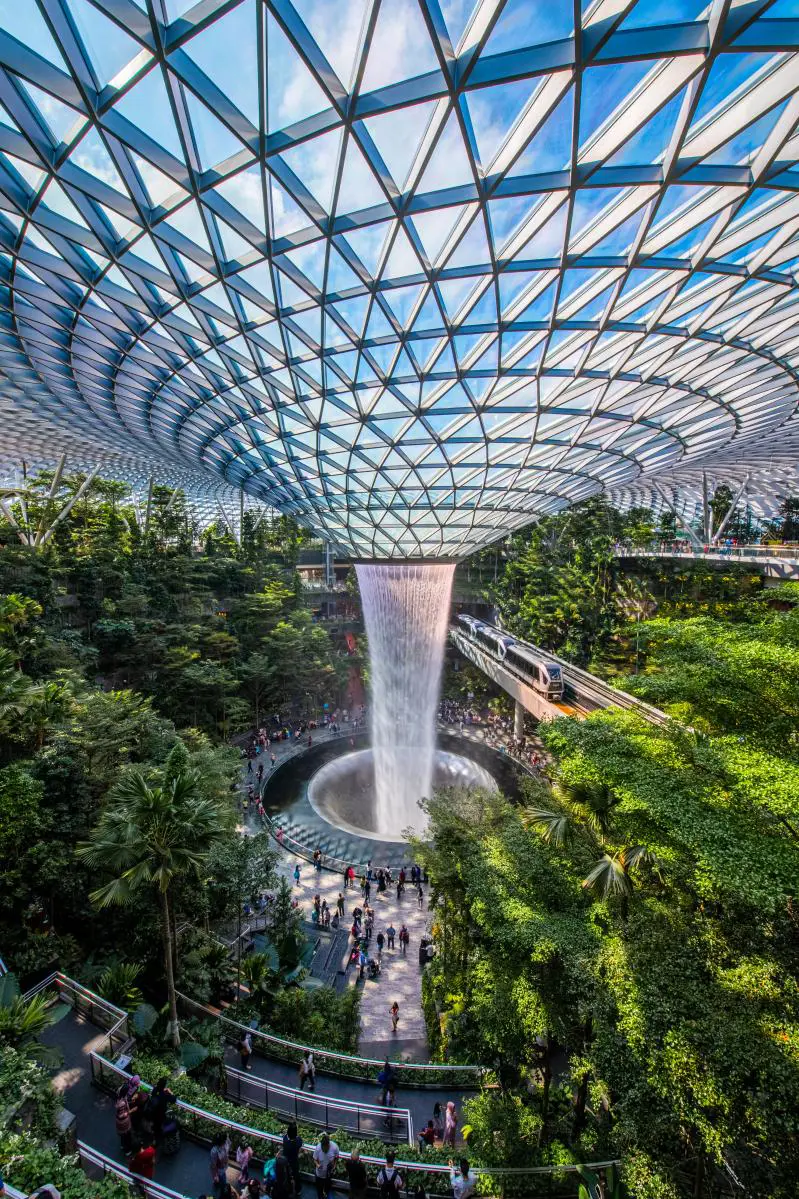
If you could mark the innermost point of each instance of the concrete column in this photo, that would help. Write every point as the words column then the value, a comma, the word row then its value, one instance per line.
column 518, row 721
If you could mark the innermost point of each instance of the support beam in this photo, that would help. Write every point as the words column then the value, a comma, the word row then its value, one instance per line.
column 518, row 720
column 730, row 510
column 70, row 504
column 681, row 519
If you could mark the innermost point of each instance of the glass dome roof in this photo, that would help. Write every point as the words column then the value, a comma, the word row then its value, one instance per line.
column 414, row 271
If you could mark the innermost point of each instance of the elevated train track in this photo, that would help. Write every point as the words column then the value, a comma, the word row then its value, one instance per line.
column 581, row 692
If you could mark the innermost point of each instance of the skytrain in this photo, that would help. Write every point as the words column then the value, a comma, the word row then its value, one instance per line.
column 543, row 676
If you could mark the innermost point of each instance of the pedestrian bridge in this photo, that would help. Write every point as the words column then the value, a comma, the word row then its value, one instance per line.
column 584, row 692
column 775, row 561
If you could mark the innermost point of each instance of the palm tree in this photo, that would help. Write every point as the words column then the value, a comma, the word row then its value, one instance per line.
column 149, row 836
column 595, row 802
column 16, row 691
column 611, row 875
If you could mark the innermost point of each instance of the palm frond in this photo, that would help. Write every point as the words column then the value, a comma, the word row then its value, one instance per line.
column 555, row 827
column 609, row 877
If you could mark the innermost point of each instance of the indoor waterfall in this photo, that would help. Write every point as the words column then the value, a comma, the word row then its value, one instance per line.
column 406, row 609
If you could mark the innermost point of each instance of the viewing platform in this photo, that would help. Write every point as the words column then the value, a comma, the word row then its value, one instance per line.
column 779, row 562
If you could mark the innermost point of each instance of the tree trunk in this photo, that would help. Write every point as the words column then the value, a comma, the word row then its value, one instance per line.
column 166, row 932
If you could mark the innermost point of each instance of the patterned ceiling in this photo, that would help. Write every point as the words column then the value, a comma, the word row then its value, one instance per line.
column 414, row 271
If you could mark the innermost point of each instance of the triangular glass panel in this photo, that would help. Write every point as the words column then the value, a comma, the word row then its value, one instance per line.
column 550, row 147
column 236, row 75
column 434, row 229
column 398, row 135
column 160, row 188
column 314, row 163
column 400, row 47
column 727, row 73
column 293, row 92
column 234, row 245
column 287, row 216
column 259, row 278
column 402, row 300
column 403, row 260
column 472, row 250
column 23, row 20
column 604, row 89
column 63, row 121
column 147, row 106
column 245, row 192
column 529, row 23
column 187, row 220
column 651, row 141
column 340, row 275
column 747, row 142
column 493, row 111
column 336, row 30
column 367, row 244
column 359, row 187
column 111, row 50
column 448, row 165
column 547, row 243
column 310, row 259
column 213, row 140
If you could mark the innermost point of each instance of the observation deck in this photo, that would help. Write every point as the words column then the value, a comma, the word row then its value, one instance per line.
column 775, row 561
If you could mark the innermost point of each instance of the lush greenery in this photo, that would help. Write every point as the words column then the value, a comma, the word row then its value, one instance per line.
column 624, row 942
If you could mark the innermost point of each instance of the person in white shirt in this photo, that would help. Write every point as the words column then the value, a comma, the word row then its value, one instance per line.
column 464, row 1184
column 325, row 1156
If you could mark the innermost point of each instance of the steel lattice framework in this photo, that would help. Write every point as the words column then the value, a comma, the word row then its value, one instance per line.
column 412, row 270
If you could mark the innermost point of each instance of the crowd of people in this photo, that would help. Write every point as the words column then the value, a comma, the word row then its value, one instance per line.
column 496, row 730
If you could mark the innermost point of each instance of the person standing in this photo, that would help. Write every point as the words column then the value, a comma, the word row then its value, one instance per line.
column 217, row 1163
column 391, row 933
column 420, row 896
column 272, row 759
column 464, row 1184
column 357, row 1176
column 245, row 1051
column 340, row 905
column 325, row 1156
column 292, row 1145
column 143, row 1161
column 450, row 1124
column 297, row 875
column 381, row 940
column 394, row 1016
column 389, row 1179
column 243, row 1159
column 124, row 1124
column 404, row 938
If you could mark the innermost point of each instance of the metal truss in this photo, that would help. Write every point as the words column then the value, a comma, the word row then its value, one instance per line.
column 414, row 271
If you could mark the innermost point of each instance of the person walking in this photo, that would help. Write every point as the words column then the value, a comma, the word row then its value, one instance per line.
column 464, row 1184
column 317, row 859
column 297, row 875
column 391, row 933
column 292, row 1145
column 356, row 1175
column 245, row 1051
column 325, row 1156
column 307, row 1071
column 404, row 938
column 122, row 1119
column 420, row 896
column 381, row 940
column 340, row 905
column 450, row 1124
column 389, row 1179
column 395, row 1017
column 272, row 759
column 218, row 1163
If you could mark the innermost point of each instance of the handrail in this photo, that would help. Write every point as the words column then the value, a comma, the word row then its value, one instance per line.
column 270, row 1038
column 271, row 1138
column 93, row 1157
column 116, row 1031
column 371, row 1111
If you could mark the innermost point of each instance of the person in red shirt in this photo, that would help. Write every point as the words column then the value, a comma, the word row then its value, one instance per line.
column 143, row 1162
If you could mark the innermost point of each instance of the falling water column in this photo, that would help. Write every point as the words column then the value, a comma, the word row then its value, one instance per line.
column 406, row 607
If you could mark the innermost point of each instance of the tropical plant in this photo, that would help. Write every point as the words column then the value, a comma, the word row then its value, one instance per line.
column 118, row 984
column 22, row 1021
column 148, row 837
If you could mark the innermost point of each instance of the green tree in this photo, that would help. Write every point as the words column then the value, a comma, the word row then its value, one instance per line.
column 149, row 837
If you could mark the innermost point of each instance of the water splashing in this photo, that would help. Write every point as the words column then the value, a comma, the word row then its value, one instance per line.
column 406, row 608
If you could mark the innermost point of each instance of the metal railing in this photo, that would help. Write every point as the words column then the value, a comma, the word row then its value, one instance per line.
column 92, row 1161
column 203, row 1125
column 684, row 549
column 380, row 1123
column 331, row 1062
column 96, row 1009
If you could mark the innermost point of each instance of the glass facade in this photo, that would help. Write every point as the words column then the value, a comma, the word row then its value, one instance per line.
column 413, row 271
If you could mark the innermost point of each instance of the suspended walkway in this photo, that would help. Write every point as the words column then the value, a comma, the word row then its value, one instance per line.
column 774, row 561
column 94, row 1039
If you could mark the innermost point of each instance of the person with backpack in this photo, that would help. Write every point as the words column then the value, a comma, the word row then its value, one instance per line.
column 464, row 1184
column 389, row 1179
